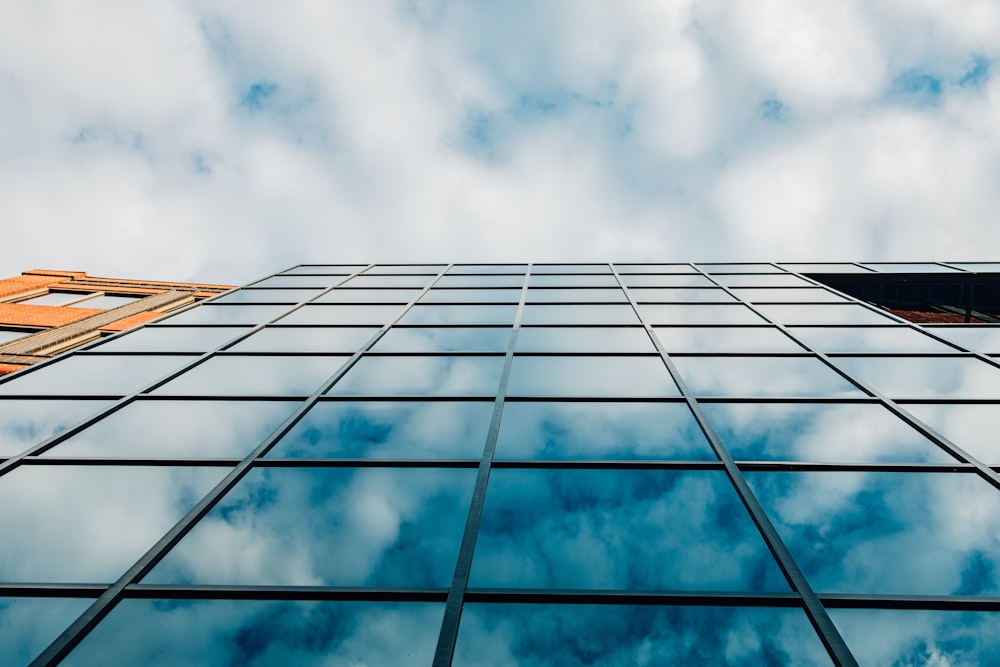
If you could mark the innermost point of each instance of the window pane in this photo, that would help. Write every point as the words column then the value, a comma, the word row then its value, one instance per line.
column 337, row 314
column 926, row 377
column 492, row 281
column 674, row 294
column 685, row 313
column 254, row 376
column 422, row 376
column 389, row 430
column 887, row 533
column 181, row 429
column 525, row 634
column 979, row 338
column 31, row 624
column 584, row 339
column 95, row 375
column 619, row 529
column 307, row 339
column 570, row 268
column 819, row 432
column 262, row 632
column 347, row 295
column 325, row 269
column 725, row 339
column 868, row 339
column 24, row 424
column 564, row 294
column 654, row 268
column 488, row 314
column 823, row 314
column 444, row 339
column 579, row 314
column 471, row 295
column 589, row 430
column 89, row 524
column 762, row 376
column 268, row 296
column 913, row 267
column 591, row 376
column 299, row 281
column 555, row 280
column 389, row 281
column 328, row 527
column 488, row 268
column 814, row 267
column 666, row 280
column 752, row 267
column 972, row 427
column 761, row 280
column 790, row 294
column 395, row 269
column 173, row 339
column 211, row 314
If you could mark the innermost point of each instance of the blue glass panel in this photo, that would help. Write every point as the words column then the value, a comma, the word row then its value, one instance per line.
column 324, row 269
column 488, row 268
column 328, row 526
column 483, row 314
column 654, row 268
column 398, row 269
column 576, row 295
column 238, row 375
column 568, row 280
column 589, row 430
column 826, row 313
column 422, row 376
column 166, row 429
column 173, row 339
column 211, row 314
column 978, row 338
column 787, row 294
column 918, row 637
column 389, row 281
column 619, row 529
column 355, row 295
column 28, row 625
column 259, row 633
column 344, row 340
column 89, row 524
column 725, row 339
column 694, row 313
column 492, row 635
column 747, row 267
column 591, row 376
column 579, row 314
column 911, row 267
column 761, row 280
column 268, row 296
column 24, row 424
column 885, row 532
column 971, row 427
column 666, row 280
column 444, row 339
column 343, row 315
column 868, row 339
column 456, row 295
column 94, row 375
column 763, row 376
column 676, row 294
column 287, row 281
column 819, row 432
column 584, row 339
column 926, row 377
column 388, row 430
column 570, row 268
column 494, row 281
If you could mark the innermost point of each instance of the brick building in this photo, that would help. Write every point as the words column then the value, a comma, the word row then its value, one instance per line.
column 43, row 313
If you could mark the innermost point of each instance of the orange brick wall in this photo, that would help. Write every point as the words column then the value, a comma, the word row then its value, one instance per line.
column 28, row 283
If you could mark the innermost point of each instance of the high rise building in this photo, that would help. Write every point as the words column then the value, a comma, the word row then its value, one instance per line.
column 516, row 464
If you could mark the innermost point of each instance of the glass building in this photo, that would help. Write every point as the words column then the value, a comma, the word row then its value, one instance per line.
column 520, row 464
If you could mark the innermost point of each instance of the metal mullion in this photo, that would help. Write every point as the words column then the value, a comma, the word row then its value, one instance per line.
column 460, row 580
column 811, row 466
column 922, row 602
column 366, row 463
column 638, row 597
column 122, row 401
column 312, row 593
column 44, row 590
column 944, row 443
column 820, row 620
column 598, row 464
column 72, row 636
column 134, row 461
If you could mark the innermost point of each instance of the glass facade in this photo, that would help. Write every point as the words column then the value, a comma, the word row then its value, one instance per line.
column 509, row 464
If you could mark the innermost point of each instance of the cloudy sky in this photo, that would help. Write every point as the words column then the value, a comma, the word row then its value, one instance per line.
column 220, row 140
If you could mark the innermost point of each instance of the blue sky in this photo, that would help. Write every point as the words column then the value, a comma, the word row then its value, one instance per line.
column 224, row 140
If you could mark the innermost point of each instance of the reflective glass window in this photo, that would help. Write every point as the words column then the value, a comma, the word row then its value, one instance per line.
column 925, row 377
column 666, row 280
column 7, row 335
column 523, row 634
column 654, row 268
column 328, row 527
column 307, row 339
column 555, row 430
column 584, row 339
column 588, row 294
column 570, row 268
column 920, row 637
column 211, row 314
column 173, row 339
column 912, row 267
column 753, row 267
column 356, row 295
column 95, row 375
column 761, row 280
column 324, row 269
column 868, row 339
column 591, row 376
column 887, row 533
column 487, row 281
column 422, row 376
column 848, row 313
column 389, row 430
column 979, row 338
column 89, row 524
column 762, row 376
column 340, row 314
column 257, row 633
column 268, row 296
column 30, row 624
column 578, row 280
column 483, row 314
column 688, row 313
column 971, row 427
column 471, row 295
column 675, row 294
column 808, row 268
column 167, row 429
column 819, row 432
column 619, row 529
column 444, row 339
column 299, row 281
column 789, row 294
column 25, row 423
column 579, row 314
column 398, row 269
column 725, row 339
column 254, row 376
column 367, row 280
column 489, row 268
column 986, row 267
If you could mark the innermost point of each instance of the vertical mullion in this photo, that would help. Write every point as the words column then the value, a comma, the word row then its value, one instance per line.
column 456, row 593
column 820, row 620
